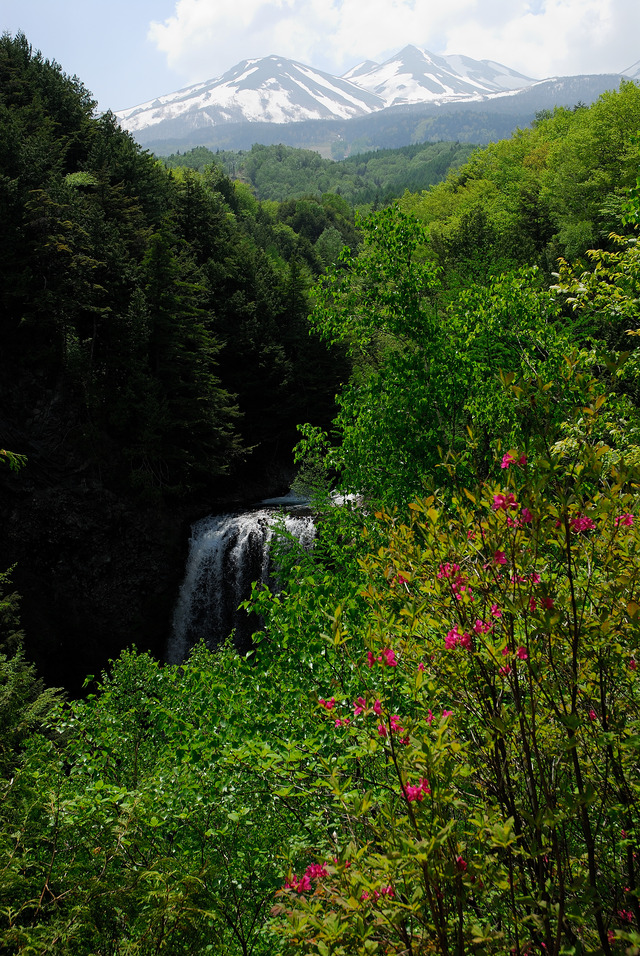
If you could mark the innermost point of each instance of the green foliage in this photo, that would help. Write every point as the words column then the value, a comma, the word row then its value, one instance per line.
column 140, row 831
column 486, row 780
column 424, row 374
column 283, row 173
column 25, row 702
column 556, row 189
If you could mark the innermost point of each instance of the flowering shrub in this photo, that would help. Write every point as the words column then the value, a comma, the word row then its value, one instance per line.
column 509, row 823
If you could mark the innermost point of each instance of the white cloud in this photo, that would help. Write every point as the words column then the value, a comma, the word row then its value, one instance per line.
column 203, row 38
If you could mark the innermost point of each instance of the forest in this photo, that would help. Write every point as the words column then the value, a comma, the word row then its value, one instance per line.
column 432, row 743
column 365, row 180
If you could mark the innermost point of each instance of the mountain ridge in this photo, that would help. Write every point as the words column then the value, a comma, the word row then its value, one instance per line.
column 277, row 91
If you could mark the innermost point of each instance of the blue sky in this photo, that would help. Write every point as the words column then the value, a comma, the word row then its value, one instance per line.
column 129, row 51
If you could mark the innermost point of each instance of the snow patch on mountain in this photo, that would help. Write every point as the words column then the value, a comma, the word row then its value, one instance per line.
column 416, row 76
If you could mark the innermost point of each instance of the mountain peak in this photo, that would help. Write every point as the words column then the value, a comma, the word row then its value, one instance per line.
column 275, row 89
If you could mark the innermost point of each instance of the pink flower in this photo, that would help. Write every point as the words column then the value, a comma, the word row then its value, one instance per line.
column 526, row 516
column 417, row 792
column 522, row 653
column 532, row 605
column 534, row 577
column 327, row 704
column 396, row 726
column 593, row 715
column 582, row 523
column 461, row 864
column 632, row 664
column 316, row 871
column 481, row 627
column 510, row 459
column 448, row 570
column 429, row 716
column 358, row 706
column 547, row 603
column 499, row 557
column 495, row 610
column 505, row 671
column 454, row 637
column 502, row 502
column 382, row 730
column 377, row 708
column 301, row 885
column 388, row 657
column 421, row 667
column 625, row 519
column 451, row 639
column 343, row 723
column 401, row 579
column 447, row 713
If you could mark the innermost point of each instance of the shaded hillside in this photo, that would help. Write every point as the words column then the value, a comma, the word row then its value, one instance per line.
column 281, row 173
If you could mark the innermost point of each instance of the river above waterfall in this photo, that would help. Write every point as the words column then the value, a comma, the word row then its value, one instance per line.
column 227, row 553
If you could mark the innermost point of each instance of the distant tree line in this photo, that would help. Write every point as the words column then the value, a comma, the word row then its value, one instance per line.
column 370, row 178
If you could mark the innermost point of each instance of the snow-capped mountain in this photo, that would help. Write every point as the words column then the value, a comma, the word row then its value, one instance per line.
column 275, row 99
column 633, row 72
column 269, row 90
column 416, row 76
column 277, row 90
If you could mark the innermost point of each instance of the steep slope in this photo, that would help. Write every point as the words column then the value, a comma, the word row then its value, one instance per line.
column 417, row 76
column 268, row 90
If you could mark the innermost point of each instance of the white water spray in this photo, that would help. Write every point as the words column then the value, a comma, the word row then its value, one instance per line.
column 226, row 554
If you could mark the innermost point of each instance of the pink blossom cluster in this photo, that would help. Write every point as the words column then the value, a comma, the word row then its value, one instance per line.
column 504, row 502
column 386, row 657
column 582, row 523
column 359, row 706
column 626, row 520
column 327, row 704
column 396, row 728
column 457, row 580
column 455, row 638
column 510, row 459
column 431, row 718
column 302, row 884
column 482, row 627
column 418, row 791
column 525, row 517
column 383, row 891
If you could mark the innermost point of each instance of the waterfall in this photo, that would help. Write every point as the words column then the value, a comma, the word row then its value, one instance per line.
column 227, row 553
